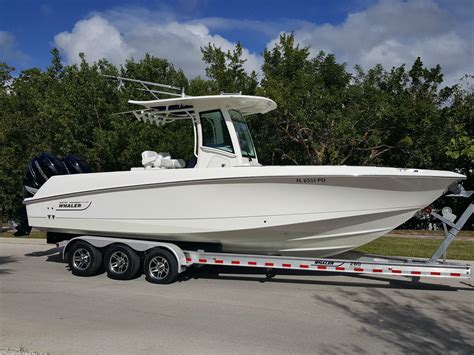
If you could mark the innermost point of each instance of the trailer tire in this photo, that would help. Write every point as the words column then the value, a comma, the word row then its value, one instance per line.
column 160, row 267
column 84, row 259
column 121, row 262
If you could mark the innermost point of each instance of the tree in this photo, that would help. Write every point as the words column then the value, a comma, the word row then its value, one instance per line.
column 401, row 117
column 226, row 69
column 72, row 110
column 312, row 96
column 460, row 115
column 5, row 75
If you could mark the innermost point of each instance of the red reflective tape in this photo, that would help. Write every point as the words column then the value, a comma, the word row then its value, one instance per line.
column 358, row 269
column 189, row 259
column 286, row 265
column 377, row 270
column 435, row 273
column 268, row 264
column 304, row 266
column 219, row 261
column 455, row 274
column 396, row 271
column 416, row 272
column 322, row 267
column 340, row 268
column 252, row 263
column 203, row 260
column 236, row 262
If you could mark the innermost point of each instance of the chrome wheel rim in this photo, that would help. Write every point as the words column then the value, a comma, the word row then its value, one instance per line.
column 81, row 259
column 118, row 262
column 159, row 267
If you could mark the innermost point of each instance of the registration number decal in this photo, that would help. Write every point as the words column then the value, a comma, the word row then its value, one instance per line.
column 312, row 180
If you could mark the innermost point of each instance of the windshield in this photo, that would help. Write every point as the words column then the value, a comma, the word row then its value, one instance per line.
column 214, row 131
column 243, row 134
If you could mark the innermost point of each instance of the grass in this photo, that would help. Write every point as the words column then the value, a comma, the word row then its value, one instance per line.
column 417, row 247
column 33, row 235
column 388, row 246
column 463, row 233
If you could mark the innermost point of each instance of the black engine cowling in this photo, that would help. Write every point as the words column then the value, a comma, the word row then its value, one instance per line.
column 76, row 165
column 38, row 171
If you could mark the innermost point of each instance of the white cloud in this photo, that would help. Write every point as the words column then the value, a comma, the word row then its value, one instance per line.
column 395, row 32
column 124, row 33
column 268, row 27
column 390, row 32
column 9, row 50
column 95, row 37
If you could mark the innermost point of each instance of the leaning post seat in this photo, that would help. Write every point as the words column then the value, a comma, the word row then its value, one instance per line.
column 151, row 159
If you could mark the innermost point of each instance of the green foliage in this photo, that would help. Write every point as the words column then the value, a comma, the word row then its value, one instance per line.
column 312, row 96
column 5, row 75
column 226, row 69
column 326, row 114
column 460, row 115
column 71, row 110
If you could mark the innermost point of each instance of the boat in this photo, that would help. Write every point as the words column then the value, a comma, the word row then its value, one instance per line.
column 225, row 198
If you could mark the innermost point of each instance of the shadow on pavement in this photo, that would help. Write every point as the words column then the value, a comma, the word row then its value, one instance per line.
column 409, row 322
column 53, row 254
column 6, row 260
column 261, row 275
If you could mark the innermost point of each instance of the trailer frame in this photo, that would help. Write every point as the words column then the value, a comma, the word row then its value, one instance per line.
column 413, row 268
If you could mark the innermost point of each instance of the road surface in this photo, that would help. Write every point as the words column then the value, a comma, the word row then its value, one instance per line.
column 44, row 308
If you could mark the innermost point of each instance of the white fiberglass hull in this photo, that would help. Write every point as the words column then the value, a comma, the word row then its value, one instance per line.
column 303, row 211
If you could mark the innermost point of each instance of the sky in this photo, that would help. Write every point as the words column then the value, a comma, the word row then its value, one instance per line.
column 364, row 32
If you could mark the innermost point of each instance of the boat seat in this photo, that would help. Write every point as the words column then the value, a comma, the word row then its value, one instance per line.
column 151, row 159
column 191, row 163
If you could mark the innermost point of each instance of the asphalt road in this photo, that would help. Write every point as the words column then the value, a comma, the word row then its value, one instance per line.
column 44, row 308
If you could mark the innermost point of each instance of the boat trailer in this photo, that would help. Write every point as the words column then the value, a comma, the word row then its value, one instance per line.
column 158, row 257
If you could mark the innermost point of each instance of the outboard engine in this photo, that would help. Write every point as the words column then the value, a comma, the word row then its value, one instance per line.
column 76, row 165
column 38, row 171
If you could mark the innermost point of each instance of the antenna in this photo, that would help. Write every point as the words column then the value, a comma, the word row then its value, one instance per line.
column 146, row 86
column 161, row 114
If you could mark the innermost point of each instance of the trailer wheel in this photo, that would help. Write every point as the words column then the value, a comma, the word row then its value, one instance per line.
column 160, row 267
column 84, row 259
column 121, row 262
